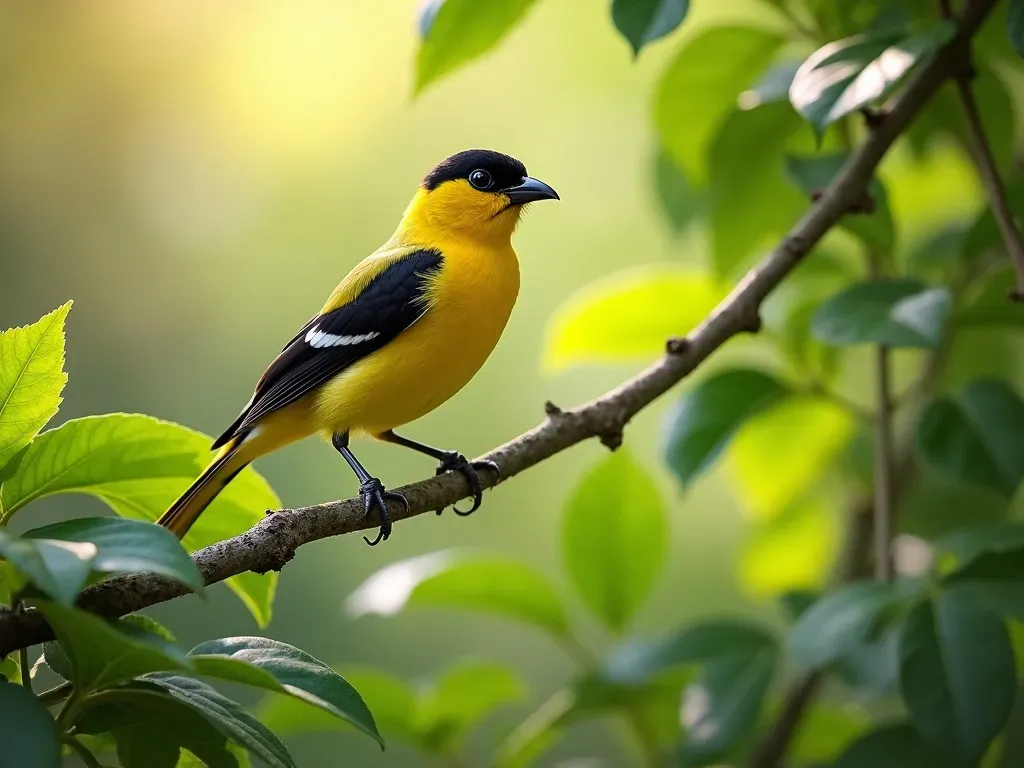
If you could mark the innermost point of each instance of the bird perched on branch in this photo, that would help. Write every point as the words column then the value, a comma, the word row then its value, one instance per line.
column 405, row 330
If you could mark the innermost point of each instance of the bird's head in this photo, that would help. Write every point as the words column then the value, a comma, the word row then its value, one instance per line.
column 476, row 193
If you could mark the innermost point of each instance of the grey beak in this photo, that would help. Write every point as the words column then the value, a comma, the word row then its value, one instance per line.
column 529, row 191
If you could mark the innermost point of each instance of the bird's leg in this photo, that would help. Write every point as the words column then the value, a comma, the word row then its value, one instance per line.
column 451, row 461
column 370, row 489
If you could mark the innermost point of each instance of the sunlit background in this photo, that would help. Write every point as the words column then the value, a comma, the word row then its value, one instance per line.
column 198, row 176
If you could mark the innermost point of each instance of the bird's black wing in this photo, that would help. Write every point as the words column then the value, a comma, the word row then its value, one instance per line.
column 330, row 343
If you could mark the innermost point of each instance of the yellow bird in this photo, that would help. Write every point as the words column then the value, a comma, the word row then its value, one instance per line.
column 405, row 330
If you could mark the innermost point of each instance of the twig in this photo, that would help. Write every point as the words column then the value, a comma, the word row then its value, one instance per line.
column 87, row 757
column 26, row 670
column 883, row 466
column 272, row 543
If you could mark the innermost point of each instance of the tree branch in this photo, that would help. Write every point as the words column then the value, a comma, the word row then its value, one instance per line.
column 272, row 543
column 883, row 466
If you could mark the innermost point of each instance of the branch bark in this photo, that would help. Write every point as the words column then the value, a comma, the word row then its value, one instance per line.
column 883, row 466
column 272, row 543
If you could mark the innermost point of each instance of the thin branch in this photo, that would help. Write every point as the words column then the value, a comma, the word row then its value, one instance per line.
column 26, row 670
column 272, row 543
column 883, row 466
column 84, row 754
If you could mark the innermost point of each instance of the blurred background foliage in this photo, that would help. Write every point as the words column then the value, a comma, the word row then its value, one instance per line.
column 197, row 176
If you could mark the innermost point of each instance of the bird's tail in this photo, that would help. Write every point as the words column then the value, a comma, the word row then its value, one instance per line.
column 190, row 505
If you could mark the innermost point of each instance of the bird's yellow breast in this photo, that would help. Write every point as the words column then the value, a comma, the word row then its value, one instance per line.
column 469, row 304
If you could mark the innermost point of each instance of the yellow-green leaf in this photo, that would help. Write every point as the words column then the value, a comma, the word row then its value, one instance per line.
column 31, row 379
column 628, row 316
column 138, row 465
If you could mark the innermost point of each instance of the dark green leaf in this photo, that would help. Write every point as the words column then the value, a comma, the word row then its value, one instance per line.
column 709, row 414
column 978, row 437
column 678, row 200
column 31, row 379
column 813, row 174
column 227, row 716
column 847, row 75
column 102, row 653
column 644, row 21
column 1015, row 25
column 27, row 732
column 127, row 546
column 872, row 666
column 281, row 667
column 615, row 535
column 773, row 86
column 988, row 303
column 491, row 585
column 57, row 568
column 138, row 465
column 892, row 746
column 694, row 98
column 843, row 621
column 56, row 659
column 957, row 675
column 455, row 31
column 985, row 564
column 894, row 313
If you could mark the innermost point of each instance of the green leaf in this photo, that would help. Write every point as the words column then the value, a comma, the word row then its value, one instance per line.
column 894, row 313
column 957, row 675
column 987, row 303
column 709, row 414
column 844, row 621
column 10, row 668
column 813, row 174
column 27, row 732
column 56, row 659
column 892, row 746
column 677, row 198
column 644, row 21
column 847, row 75
column 102, row 653
column 126, row 546
column 977, row 437
column 31, row 379
column 280, row 667
column 697, row 92
column 984, row 237
column 615, row 534
column 151, row 728
column 772, row 87
column 461, row 698
column 985, row 564
column 628, row 316
column 139, row 465
column 483, row 584
column 149, row 625
column 455, row 31
column 59, row 569
column 229, row 717
column 1015, row 25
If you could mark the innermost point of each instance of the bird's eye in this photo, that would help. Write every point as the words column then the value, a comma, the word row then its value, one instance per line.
column 480, row 179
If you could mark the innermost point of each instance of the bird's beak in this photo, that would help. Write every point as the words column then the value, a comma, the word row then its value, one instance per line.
column 530, row 191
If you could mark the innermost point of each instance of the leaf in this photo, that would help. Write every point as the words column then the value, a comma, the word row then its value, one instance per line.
column 892, row 746
column 628, row 316
column 841, row 622
column 1015, row 25
column 977, row 437
column 893, row 313
column 227, row 716
column 957, row 675
column 813, row 174
column 102, row 654
column 59, row 569
column 483, row 584
column 615, row 535
column 126, row 546
column 677, row 198
column 27, row 731
column 56, row 659
column 31, row 380
column 984, row 236
column 710, row 414
column 150, row 625
column 847, row 75
column 771, row 88
column 286, row 669
column 455, row 31
column 462, row 697
column 986, row 566
column 139, row 465
column 644, row 21
column 697, row 92
column 986, row 304
column 779, row 454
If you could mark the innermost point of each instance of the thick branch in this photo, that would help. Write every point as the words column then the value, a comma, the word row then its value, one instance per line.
column 272, row 543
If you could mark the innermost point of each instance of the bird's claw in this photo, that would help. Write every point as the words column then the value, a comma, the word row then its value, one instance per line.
column 374, row 495
column 456, row 462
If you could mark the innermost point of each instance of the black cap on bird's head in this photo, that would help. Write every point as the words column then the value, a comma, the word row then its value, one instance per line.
column 490, row 172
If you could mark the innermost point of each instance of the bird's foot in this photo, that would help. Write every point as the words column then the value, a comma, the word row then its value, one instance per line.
column 374, row 495
column 454, row 461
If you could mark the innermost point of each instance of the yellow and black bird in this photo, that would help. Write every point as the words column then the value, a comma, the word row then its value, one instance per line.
column 405, row 330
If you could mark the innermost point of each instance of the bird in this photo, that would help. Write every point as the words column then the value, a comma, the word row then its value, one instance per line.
column 403, row 332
